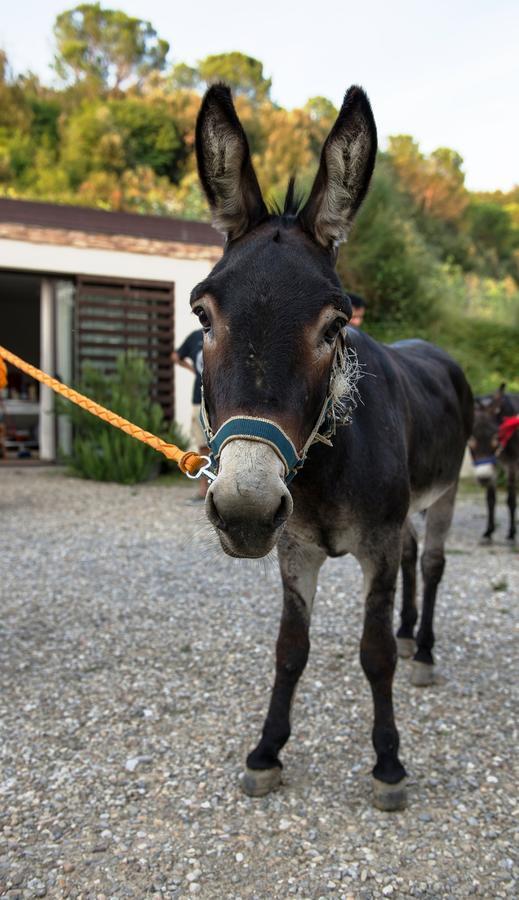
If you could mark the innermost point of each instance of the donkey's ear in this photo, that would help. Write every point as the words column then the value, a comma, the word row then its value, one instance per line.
column 345, row 169
column 225, row 166
column 496, row 403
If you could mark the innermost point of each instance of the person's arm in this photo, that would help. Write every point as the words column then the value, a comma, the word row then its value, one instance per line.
column 183, row 361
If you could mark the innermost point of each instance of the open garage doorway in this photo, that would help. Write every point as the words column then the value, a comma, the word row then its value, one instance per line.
column 20, row 331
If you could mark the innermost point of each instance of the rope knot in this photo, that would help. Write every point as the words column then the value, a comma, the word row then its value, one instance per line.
column 190, row 462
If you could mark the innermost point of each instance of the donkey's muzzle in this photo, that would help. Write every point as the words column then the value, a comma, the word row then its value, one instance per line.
column 248, row 503
column 485, row 472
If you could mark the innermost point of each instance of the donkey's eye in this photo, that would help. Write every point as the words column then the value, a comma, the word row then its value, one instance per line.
column 333, row 330
column 203, row 318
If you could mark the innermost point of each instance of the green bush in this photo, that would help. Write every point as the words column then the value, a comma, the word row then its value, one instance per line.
column 105, row 453
column 486, row 350
column 387, row 260
column 405, row 265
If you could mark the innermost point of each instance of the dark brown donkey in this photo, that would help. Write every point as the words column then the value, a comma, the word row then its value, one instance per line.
column 280, row 371
column 494, row 443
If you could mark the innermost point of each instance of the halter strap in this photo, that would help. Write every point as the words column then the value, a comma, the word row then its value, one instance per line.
column 250, row 428
column 485, row 461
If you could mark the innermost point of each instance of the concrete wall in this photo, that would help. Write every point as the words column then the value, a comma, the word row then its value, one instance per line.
column 58, row 260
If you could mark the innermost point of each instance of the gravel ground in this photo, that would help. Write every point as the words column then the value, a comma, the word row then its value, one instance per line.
column 135, row 666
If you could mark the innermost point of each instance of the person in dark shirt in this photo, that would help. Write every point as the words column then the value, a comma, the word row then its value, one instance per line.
column 190, row 356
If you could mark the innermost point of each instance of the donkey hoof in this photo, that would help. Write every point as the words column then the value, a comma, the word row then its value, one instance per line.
column 422, row 674
column 259, row 782
column 389, row 797
column 406, row 647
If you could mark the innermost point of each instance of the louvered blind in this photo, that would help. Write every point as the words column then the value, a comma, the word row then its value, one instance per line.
column 114, row 316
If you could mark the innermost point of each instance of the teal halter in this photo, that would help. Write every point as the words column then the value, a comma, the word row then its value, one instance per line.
column 250, row 428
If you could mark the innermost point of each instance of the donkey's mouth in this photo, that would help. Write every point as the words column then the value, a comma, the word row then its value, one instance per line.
column 248, row 544
column 248, row 536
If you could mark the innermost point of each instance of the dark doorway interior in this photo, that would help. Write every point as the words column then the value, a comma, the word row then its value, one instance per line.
column 20, row 332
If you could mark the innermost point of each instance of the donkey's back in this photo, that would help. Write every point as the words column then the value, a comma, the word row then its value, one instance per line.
column 414, row 419
column 440, row 413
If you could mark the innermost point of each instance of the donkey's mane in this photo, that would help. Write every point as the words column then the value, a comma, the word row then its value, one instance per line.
column 293, row 201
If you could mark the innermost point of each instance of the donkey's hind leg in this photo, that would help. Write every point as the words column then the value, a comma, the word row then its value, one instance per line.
column 405, row 641
column 511, row 502
column 300, row 564
column 438, row 522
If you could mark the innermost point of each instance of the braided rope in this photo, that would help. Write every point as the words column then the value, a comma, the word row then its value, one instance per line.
column 188, row 462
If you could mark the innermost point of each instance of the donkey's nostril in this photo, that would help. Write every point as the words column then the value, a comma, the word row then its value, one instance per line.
column 213, row 514
column 283, row 512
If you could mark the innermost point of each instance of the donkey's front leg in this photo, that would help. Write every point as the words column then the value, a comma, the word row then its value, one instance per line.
column 300, row 564
column 378, row 659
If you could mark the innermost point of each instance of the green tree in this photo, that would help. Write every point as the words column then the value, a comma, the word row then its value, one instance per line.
column 183, row 76
column 321, row 115
column 491, row 227
column 495, row 239
column 105, row 47
column 386, row 259
column 121, row 134
column 435, row 182
column 242, row 73
column 149, row 135
column 321, row 109
column 14, row 111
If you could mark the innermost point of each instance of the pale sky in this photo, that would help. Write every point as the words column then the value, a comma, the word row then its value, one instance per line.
column 445, row 72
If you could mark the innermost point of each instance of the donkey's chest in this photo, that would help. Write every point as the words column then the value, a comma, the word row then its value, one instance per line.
column 336, row 534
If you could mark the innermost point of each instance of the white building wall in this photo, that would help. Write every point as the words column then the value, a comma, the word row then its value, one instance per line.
column 183, row 273
column 47, row 439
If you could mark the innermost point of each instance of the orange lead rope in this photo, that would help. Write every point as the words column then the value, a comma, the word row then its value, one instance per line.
column 3, row 374
column 190, row 463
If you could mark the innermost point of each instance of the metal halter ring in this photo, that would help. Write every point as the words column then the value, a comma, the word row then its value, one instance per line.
column 204, row 470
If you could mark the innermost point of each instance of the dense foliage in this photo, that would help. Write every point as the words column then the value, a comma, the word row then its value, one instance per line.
column 117, row 132
column 104, row 453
